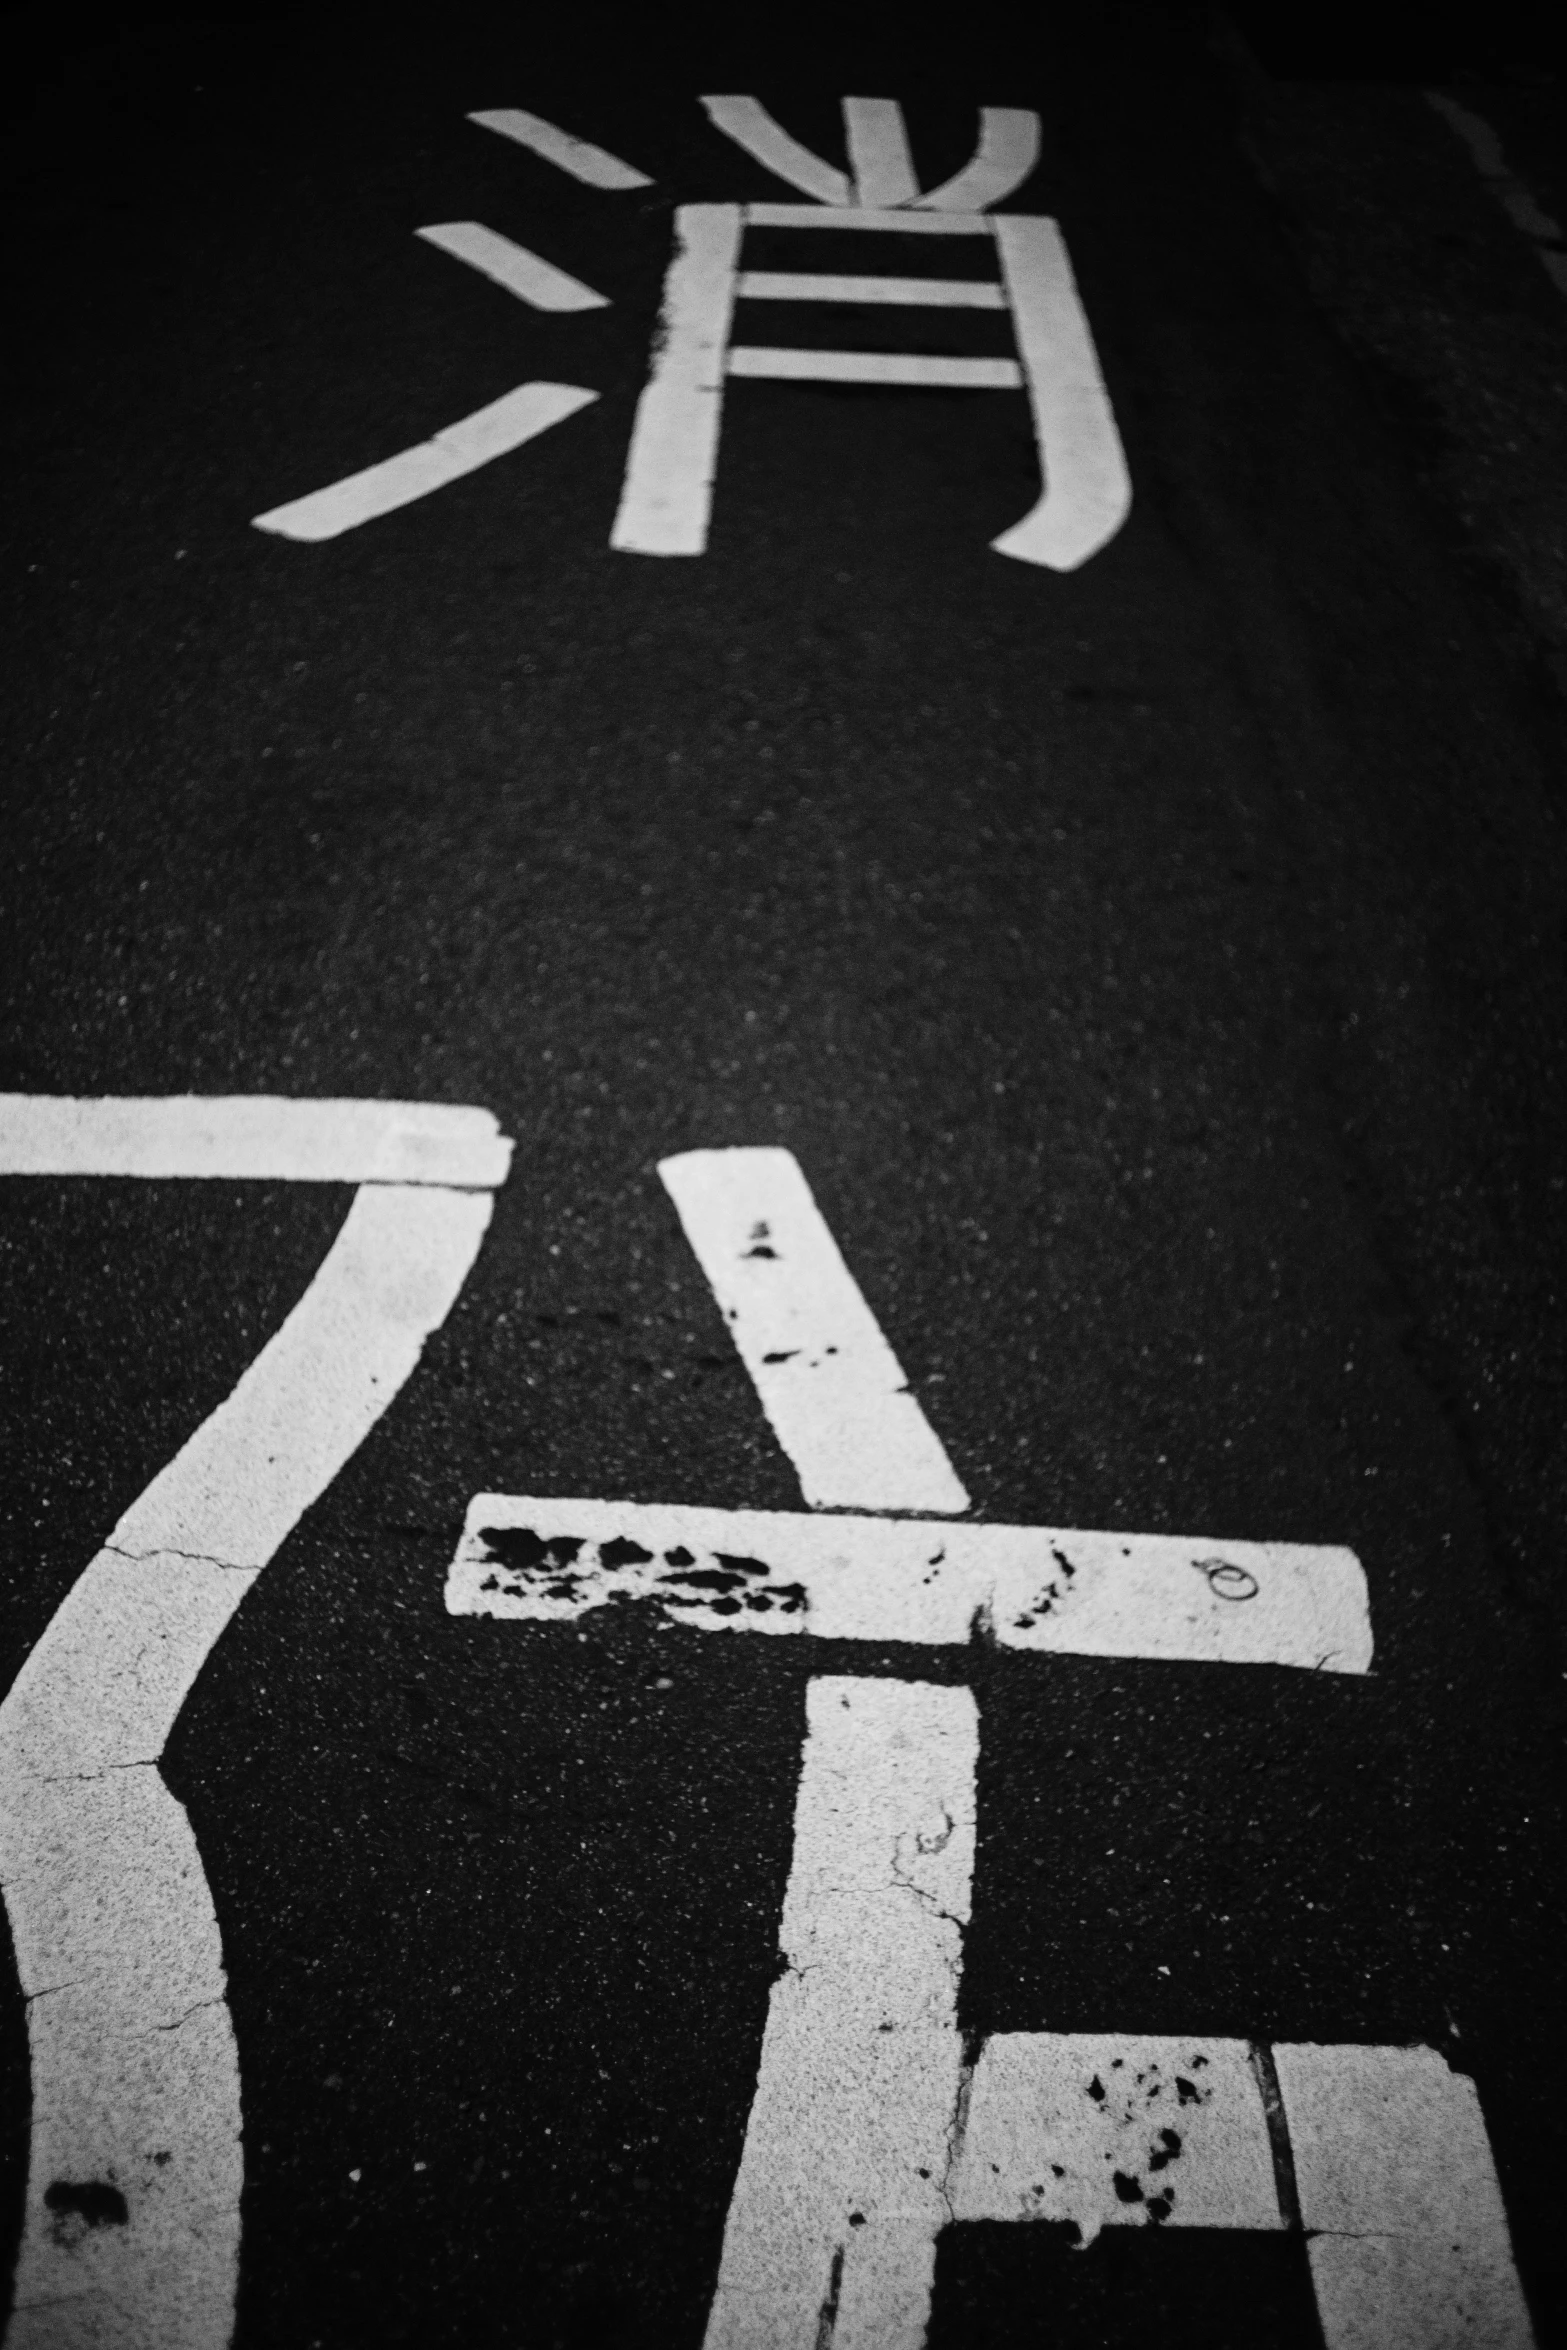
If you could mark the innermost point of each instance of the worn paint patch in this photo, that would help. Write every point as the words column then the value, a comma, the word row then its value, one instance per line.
column 1105, row 2130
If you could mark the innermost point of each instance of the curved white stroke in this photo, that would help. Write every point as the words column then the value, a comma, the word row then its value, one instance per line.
column 1007, row 152
column 594, row 166
column 1087, row 493
column 748, row 123
column 135, row 2076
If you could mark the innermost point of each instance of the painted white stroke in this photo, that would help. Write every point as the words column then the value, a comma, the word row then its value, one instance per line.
column 923, row 369
column 879, row 157
column 262, row 1137
column 1406, row 2234
column 911, row 223
column 667, row 493
column 1086, row 493
column 460, row 448
column 748, row 123
column 819, row 285
column 1046, row 1591
column 1007, row 152
column 594, row 166
column 135, row 2078
column 829, row 1383
column 832, row 2228
column 522, row 273
column 1052, row 2117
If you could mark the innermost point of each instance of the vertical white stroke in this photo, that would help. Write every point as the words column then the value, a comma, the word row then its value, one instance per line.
column 1406, row 2233
column 879, row 157
column 523, row 273
column 1007, row 152
column 831, row 2234
column 829, row 1383
column 594, row 166
column 456, row 449
column 748, row 123
column 135, row 2075
column 668, row 489
column 1086, row 493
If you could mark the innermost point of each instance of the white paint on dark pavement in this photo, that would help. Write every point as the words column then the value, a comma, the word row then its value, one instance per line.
column 1044, row 1591
column 831, row 1386
column 931, row 371
column 674, row 441
column 1406, row 2234
column 749, row 124
column 1007, row 152
column 879, row 156
column 1087, row 491
column 911, row 223
column 594, row 166
column 527, row 275
column 135, row 2085
column 1109, row 2130
column 490, row 432
column 831, row 2234
column 806, row 285
column 265, row 1138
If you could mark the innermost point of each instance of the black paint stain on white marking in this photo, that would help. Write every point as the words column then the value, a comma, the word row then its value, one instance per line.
column 1226, row 1580
column 81, row 2206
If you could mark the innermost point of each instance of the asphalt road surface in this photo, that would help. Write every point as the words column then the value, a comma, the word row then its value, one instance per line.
column 1153, row 969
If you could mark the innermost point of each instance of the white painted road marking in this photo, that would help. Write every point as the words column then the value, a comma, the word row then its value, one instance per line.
column 457, row 449
column 1087, row 492
column 674, row 441
column 875, row 367
column 1543, row 233
column 829, row 1383
column 522, row 273
column 748, row 123
column 666, row 498
column 867, row 2134
column 882, row 166
column 134, row 2073
column 1045, row 1591
column 595, row 166
column 1007, row 152
column 1405, row 2229
column 879, row 157
column 805, row 285
column 257, row 1137
column 832, row 2227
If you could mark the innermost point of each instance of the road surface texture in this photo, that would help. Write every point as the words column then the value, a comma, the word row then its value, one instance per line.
column 1148, row 973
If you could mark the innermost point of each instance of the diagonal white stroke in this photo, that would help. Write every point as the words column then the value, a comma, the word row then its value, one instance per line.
column 829, row 1383
column 748, row 123
column 256, row 1136
column 135, row 2079
column 1007, row 152
column 1086, row 493
column 879, row 157
column 457, row 449
column 595, row 166
column 522, row 273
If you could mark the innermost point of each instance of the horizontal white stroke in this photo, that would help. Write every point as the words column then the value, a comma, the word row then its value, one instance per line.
column 258, row 1137
column 1049, row 1590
